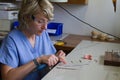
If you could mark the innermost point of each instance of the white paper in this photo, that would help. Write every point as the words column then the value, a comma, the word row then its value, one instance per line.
column 51, row 31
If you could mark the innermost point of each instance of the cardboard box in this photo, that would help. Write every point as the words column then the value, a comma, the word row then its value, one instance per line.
column 10, row 15
column 5, row 25
column 5, row 5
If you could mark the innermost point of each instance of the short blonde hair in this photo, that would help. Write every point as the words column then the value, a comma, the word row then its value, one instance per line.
column 32, row 7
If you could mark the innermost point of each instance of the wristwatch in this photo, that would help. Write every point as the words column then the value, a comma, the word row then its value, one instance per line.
column 35, row 62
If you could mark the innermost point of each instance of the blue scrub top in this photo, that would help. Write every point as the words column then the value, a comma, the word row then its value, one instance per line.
column 16, row 50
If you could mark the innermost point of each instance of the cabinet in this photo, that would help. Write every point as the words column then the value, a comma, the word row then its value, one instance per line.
column 7, row 0
column 10, row 1
column 77, row 1
column 69, row 1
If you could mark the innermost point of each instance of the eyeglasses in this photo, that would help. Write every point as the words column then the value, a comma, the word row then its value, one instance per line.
column 40, row 21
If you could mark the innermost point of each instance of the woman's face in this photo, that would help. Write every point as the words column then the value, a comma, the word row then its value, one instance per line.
column 38, row 24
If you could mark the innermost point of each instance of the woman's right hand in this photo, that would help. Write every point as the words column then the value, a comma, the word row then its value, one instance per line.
column 50, row 60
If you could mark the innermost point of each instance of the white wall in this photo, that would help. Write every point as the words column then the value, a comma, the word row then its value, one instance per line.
column 98, row 13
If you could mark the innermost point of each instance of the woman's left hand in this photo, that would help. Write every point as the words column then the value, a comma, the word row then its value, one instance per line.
column 61, row 56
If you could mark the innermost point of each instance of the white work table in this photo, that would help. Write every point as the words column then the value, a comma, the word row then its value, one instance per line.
column 78, row 68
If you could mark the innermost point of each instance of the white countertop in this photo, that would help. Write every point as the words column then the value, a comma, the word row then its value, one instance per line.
column 78, row 68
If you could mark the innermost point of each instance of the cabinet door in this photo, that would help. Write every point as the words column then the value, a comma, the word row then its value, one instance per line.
column 77, row 1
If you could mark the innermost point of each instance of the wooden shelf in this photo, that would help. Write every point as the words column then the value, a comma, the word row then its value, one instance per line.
column 71, row 42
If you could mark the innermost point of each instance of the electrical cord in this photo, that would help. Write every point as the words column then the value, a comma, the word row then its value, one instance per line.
column 84, row 21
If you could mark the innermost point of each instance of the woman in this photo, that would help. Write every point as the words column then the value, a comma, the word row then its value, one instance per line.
column 27, row 50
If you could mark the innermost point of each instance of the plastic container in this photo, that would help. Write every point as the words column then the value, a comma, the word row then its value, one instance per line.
column 55, row 29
